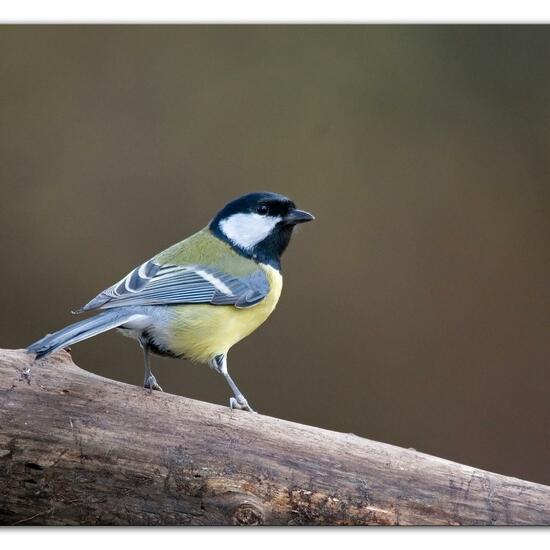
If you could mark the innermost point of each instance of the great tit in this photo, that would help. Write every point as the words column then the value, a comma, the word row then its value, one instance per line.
column 199, row 297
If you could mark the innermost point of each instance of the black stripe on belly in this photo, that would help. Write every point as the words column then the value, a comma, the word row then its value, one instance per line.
column 156, row 349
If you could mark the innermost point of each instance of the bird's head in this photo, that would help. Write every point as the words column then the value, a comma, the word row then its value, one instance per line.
column 259, row 225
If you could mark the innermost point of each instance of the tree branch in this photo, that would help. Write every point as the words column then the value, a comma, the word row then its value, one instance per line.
column 76, row 448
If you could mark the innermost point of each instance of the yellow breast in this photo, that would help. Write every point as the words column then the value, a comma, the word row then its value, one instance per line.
column 201, row 331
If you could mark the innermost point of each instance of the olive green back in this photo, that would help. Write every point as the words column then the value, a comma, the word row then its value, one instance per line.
column 203, row 248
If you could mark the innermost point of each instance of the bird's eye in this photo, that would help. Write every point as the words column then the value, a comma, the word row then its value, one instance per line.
column 262, row 210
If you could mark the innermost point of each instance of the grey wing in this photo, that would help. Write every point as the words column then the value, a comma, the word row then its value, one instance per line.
column 153, row 284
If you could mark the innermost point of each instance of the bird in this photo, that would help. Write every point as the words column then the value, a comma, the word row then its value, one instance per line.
column 198, row 298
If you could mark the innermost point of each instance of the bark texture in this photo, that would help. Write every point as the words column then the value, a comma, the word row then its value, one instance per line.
column 76, row 448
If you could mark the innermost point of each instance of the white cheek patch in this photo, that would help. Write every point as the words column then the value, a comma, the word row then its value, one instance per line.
column 247, row 230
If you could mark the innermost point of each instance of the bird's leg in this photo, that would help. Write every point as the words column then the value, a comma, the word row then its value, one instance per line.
column 239, row 401
column 149, row 380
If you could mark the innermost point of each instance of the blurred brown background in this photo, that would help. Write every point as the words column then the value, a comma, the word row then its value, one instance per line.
column 415, row 309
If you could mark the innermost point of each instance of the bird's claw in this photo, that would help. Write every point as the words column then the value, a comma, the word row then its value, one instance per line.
column 151, row 384
column 26, row 375
column 240, row 403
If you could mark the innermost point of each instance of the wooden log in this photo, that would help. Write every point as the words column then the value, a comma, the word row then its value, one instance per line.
column 79, row 449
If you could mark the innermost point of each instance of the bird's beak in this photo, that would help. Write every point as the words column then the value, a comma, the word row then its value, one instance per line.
column 298, row 216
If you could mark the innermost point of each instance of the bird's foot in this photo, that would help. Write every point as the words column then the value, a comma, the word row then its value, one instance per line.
column 240, row 403
column 26, row 375
column 151, row 384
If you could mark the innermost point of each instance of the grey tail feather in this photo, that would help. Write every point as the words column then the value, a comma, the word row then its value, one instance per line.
column 79, row 331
